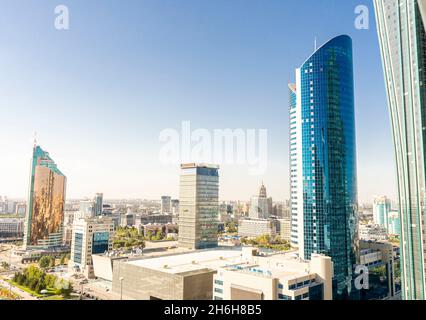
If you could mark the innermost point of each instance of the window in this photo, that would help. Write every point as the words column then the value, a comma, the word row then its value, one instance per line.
column 219, row 282
column 78, row 247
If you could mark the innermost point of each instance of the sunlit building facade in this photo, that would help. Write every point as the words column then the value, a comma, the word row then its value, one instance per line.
column 324, row 186
column 46, row 200
column 199, row 206
column 294, row 145
column 89, row 236
column 401, row 31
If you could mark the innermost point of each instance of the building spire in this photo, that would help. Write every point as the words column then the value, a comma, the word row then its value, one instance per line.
column 35, row 139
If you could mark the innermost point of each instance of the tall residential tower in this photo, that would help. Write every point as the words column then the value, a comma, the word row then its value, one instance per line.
column 401, row 31
column 323, row 159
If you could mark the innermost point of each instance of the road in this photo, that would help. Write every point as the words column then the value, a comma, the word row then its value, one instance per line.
column 23, row 294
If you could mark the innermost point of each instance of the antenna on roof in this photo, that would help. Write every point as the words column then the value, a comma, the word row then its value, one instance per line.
column 315, row 43
column 35, row 138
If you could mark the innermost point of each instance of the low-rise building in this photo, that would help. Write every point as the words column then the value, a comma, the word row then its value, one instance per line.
column 224, row 273
column 284, row 228
column 11, row 228
column 256, row 227
column 274, row 277
column 374, row 254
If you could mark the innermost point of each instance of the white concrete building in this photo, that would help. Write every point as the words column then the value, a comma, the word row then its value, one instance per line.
column 230, row 274
column 274, row 277
column 256, row 227
column 89, row 236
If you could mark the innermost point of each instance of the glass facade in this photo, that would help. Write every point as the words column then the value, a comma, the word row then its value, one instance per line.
column 98, row 204
column 44, row 218
column 381, row 209
column 100, row 243
column 199, row 206
column 402, row 40
column 326, row 159
column 78, row 247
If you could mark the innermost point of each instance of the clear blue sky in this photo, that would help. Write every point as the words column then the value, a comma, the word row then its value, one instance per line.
column 100, row 93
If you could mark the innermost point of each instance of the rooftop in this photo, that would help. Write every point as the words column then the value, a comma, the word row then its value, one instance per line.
column 275, row 265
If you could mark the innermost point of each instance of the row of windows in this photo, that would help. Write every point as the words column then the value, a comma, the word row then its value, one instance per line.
column 300, row 284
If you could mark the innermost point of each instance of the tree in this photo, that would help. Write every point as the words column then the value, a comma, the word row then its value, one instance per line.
column 66, row 289
column 231, row 227
column 5, row 265
column 64, row 259
column 46, row 262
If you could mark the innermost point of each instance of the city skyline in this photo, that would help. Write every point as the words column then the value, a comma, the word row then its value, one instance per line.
column 114, row 121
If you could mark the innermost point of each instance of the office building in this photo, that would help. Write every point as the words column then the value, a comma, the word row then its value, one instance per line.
column 11, row 228
column 401, row 32
column 199, row 206
column 381, row 209
column 175, row 206
column 21, row 209
column 46, row 200
column 394, row 224
column 98, row 204
column 324, row 180
column 166, row 204
column 68, row 226
column 89, row 236
column 260, row 205
column 87, row 208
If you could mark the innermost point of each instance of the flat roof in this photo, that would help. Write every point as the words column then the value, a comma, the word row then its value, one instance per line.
column 276, row 265
column 193, row 261
column 198, row 165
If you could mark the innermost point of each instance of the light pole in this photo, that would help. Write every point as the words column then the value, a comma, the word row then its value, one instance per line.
column 121, row 288
column 10, row 282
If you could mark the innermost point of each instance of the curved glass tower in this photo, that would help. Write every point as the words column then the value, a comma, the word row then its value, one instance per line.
column 324, row 194
column 401, row 30
column 46, row 202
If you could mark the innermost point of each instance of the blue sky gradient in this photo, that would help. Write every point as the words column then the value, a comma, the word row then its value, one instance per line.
column 99, row 94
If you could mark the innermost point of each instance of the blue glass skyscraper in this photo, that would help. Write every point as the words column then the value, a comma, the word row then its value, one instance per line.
column 324, row 193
